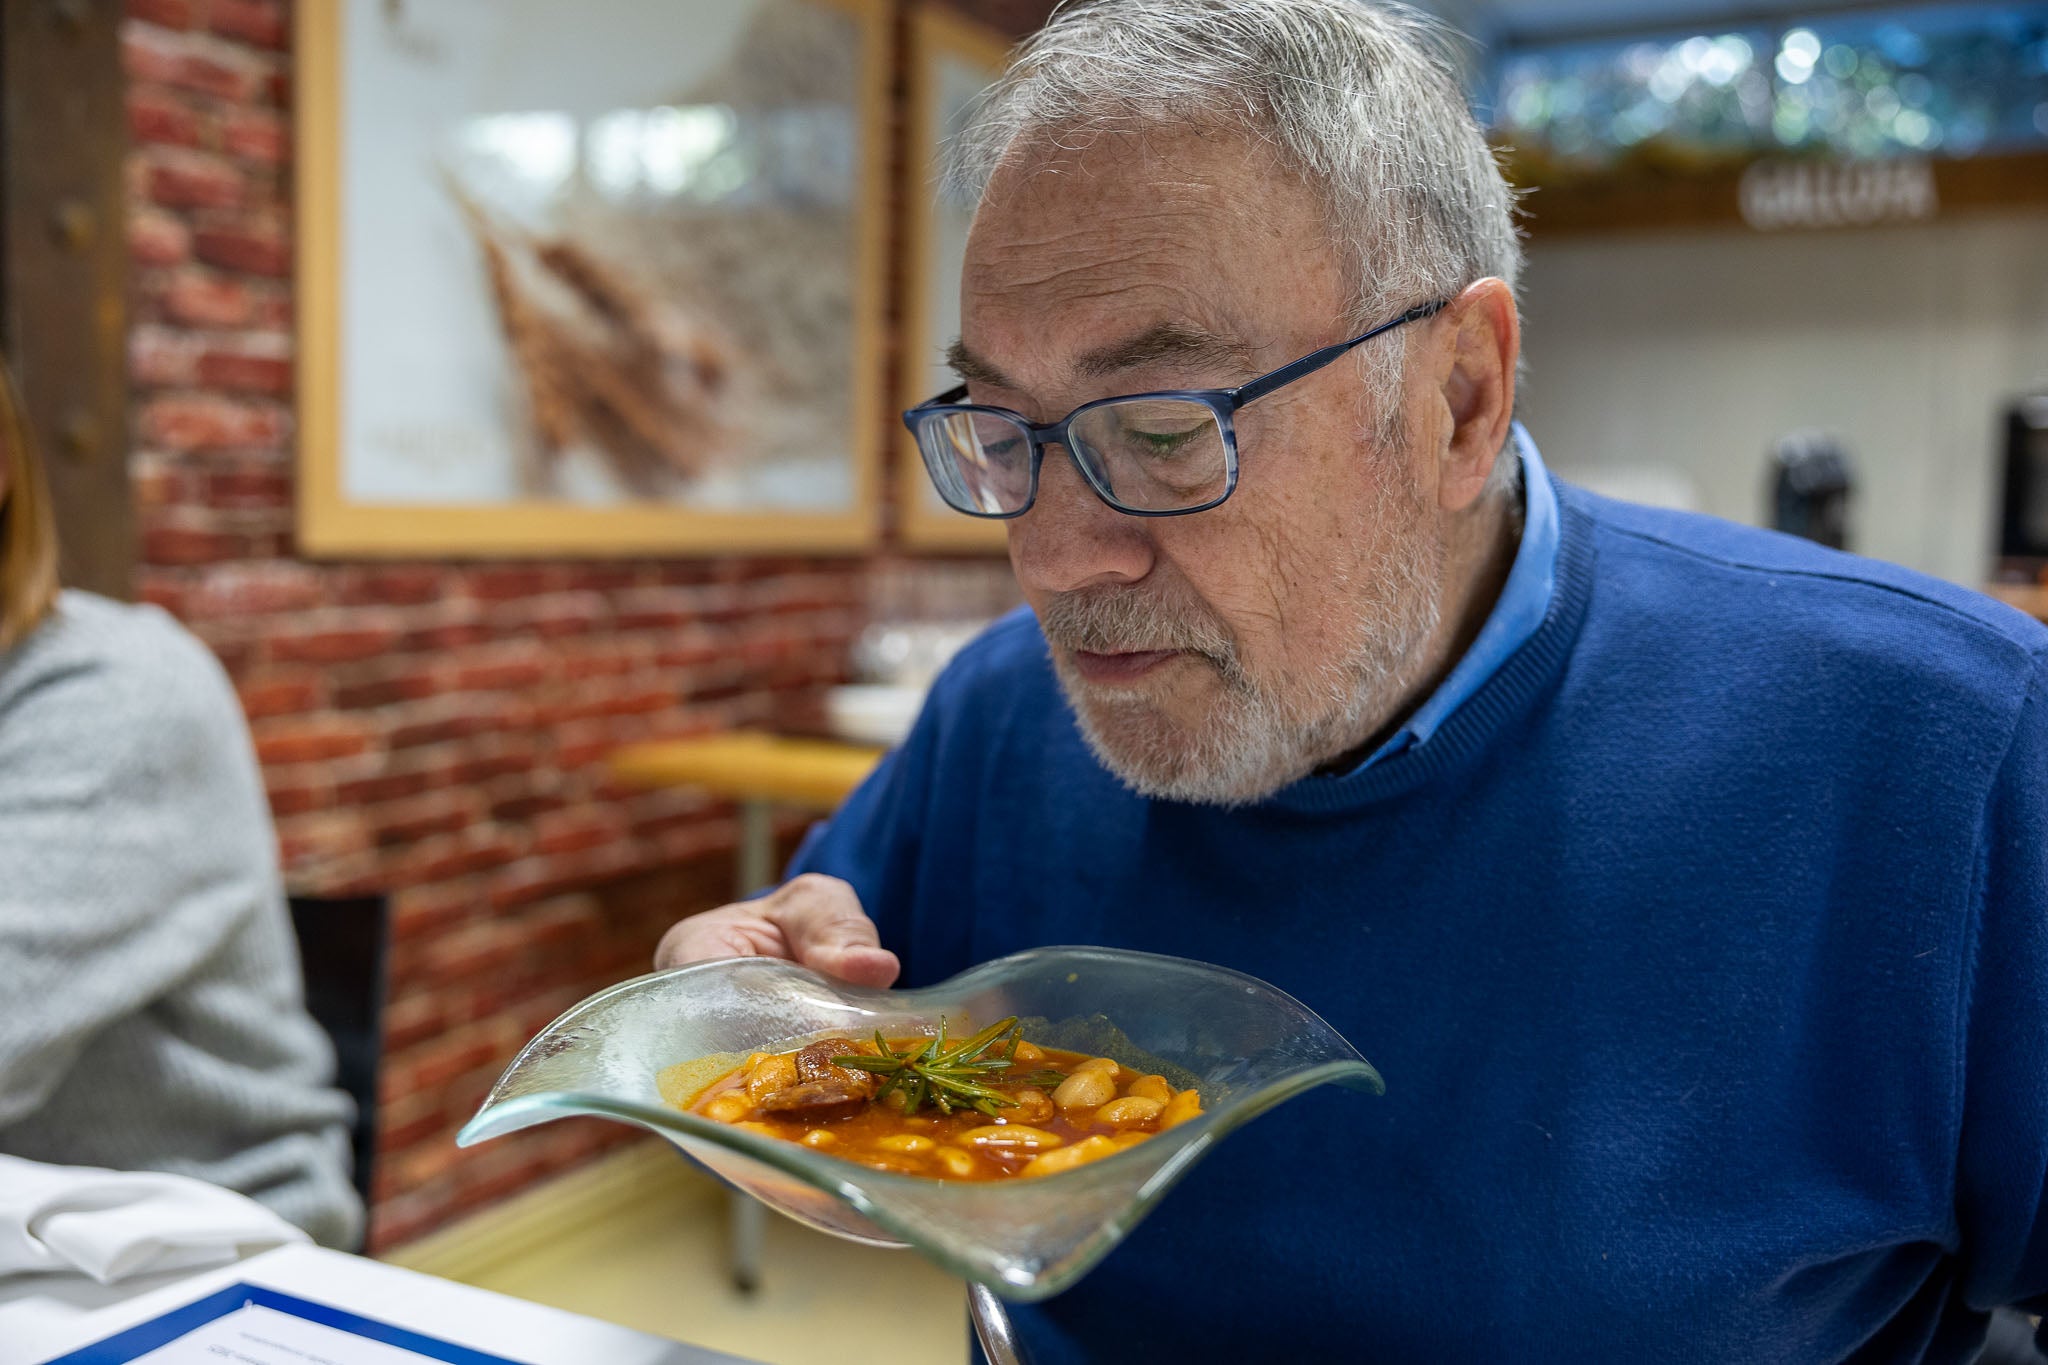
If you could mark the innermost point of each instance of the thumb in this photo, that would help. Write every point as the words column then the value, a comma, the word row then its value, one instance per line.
column 858, row 964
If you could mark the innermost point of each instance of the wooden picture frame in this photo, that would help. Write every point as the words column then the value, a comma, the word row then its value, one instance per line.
column 950, row 57
column 625, row 358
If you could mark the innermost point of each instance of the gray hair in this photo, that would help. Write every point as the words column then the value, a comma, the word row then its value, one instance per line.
column 1362, row 97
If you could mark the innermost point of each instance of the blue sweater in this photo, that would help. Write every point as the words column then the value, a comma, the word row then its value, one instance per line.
column 1704, row 950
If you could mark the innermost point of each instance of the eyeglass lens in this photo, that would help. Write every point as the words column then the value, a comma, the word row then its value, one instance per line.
column 981, row 462
column 1154, row 454
column 1150, row 454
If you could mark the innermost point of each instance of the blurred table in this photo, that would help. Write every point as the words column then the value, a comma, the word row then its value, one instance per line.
column 760, row 771
column 750, row 764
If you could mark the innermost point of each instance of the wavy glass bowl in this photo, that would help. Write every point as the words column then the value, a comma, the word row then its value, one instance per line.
column 1245, row 1045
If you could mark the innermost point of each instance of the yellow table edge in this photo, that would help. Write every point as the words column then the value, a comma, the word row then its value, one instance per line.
column 750, row 765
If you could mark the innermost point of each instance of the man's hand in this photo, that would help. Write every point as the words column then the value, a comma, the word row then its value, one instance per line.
column 813, row 920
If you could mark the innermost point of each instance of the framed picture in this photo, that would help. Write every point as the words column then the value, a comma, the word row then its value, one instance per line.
column 952, row 60
column 591, row 279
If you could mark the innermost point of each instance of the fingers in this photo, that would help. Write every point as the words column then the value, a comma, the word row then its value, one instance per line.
column 730, row 931
column 826, row 930
column 811, row 919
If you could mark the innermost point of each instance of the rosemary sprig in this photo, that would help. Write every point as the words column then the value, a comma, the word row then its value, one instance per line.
column 954, row 1077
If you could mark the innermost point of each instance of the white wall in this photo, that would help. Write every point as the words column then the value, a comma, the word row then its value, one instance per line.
column 1691, row 352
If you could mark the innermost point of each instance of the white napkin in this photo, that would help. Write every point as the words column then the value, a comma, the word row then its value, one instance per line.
column 114, row 1224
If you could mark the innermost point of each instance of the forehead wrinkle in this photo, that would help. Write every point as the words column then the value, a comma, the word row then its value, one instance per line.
column 1158, row 268
column 1175, row 325
column 1171, row 217
column 1071, row 263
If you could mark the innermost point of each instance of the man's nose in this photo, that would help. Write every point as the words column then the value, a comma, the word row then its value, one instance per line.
column 1073, row 539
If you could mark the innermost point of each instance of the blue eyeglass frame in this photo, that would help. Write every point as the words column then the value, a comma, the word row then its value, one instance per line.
column 1222, row 404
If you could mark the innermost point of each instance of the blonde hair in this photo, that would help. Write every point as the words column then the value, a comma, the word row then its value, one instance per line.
column 28, row 525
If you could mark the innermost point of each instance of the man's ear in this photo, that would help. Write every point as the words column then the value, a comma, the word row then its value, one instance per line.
column 1481, row 339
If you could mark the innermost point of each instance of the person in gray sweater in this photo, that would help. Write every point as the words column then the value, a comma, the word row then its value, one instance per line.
column 151, row 1015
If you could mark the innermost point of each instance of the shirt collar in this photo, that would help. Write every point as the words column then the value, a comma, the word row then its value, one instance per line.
column 1523, row 603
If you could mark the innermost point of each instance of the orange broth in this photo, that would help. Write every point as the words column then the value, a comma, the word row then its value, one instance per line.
column 968, row 1145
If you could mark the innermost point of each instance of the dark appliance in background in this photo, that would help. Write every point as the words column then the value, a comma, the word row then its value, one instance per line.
column 1811, row 481
column 2023, row 510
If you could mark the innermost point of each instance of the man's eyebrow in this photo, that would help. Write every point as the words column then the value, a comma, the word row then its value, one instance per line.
column 1178, row 342
column 973, row 369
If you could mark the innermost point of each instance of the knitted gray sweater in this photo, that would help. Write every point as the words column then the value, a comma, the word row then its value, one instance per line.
column 150, row 1005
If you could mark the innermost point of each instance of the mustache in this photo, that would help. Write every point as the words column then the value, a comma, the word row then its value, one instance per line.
column 1124, row 620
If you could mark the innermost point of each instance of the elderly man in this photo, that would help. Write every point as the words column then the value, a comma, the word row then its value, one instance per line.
column 1687, row 883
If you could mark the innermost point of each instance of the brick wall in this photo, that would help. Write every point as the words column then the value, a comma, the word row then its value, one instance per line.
column 433, row 730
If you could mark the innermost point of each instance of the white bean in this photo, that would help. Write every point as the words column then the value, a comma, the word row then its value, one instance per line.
column 1088, row 1089
column 1151, row 1088
column 1032, row 1106
column 1017, row 1137
column 1080, row 1154
column 770, row 1075
column 1182, row 1107
column 905, row 1142
column 730, row 1107
column 1131, row 1111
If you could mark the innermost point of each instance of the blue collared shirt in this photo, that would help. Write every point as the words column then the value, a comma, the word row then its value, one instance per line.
column 1524, row 600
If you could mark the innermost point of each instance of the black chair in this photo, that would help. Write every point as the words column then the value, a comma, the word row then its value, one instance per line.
column 342, row 949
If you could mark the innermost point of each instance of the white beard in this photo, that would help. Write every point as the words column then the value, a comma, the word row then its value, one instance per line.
column 1261, row 734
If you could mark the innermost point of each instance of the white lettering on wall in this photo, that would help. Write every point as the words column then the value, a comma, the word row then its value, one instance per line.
column 1826, row 194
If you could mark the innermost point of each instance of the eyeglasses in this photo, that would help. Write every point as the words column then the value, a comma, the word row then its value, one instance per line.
column 1162, row 454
